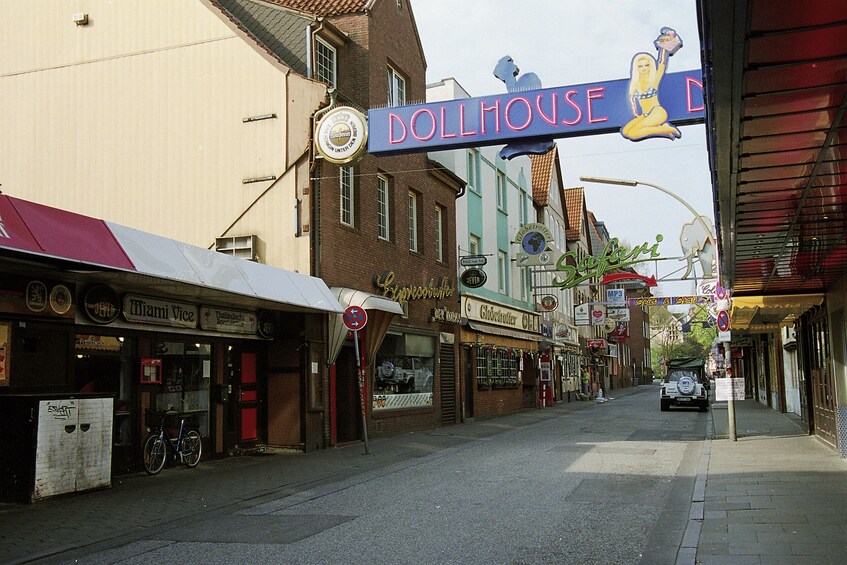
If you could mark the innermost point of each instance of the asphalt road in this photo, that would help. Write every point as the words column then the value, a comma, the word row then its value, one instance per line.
column 584, row 484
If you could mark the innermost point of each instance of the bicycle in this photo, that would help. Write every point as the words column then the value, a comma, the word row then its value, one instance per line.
column 186, row 447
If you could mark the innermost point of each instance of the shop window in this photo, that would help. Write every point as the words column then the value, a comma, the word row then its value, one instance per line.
column 404, row 373
column 104, row 364
column 186, row 372
column 498, row 367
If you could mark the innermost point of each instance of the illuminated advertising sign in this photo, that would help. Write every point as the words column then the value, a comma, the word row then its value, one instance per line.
column 549, row 113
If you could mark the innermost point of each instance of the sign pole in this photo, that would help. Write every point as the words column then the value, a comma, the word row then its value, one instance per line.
column 355, row 318
column 361, row 373
column 730, row 404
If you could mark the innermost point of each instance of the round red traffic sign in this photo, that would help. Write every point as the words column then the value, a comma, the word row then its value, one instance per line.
column 723, row 321
column 355, row 318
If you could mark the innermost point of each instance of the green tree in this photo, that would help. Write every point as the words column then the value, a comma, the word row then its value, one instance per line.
column 667, row 340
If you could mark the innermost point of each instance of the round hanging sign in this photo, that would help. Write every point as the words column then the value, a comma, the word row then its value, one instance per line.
column 341, row 135
column 474, row 278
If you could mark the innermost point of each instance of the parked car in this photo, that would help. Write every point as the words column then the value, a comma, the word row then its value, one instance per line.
column 407, row 374
column 684, row 384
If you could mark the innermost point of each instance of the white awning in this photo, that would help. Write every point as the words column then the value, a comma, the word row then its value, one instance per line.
column 380, row 311
column 171, row 260
column 497, row 330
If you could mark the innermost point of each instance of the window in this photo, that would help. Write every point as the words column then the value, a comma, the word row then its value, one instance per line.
column 475, row 245
column 347, row 199
column 501, row 190
column 503, row 272
column 396, row 88
column 382, row 207
column 324, row 62
column 497, row 368
column 524, row 208
column 413, row 221
column 439, row 233
column 524, row 284
column 473, row 164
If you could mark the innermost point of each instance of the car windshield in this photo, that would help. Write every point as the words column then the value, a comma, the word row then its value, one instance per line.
column 676, row 374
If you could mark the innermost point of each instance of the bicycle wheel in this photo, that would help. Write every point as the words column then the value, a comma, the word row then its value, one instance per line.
column 191, row 448
column 154, row 454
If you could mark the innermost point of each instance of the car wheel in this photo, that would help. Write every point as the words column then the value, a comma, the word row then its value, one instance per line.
column 686, row 385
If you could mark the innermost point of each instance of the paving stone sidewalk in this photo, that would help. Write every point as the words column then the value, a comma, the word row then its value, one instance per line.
column 775, row 496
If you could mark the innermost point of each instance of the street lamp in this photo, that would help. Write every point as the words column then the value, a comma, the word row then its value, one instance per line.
column 625, row 182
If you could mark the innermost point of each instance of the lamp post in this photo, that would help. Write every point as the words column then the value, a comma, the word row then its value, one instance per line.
column 633, row 183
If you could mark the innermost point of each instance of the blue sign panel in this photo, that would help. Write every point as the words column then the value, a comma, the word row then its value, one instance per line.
column 543, row 114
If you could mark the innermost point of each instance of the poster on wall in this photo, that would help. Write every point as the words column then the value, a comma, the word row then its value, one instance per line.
column 5, row 333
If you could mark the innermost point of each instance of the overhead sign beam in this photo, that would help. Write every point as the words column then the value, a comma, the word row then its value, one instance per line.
column 550, row 113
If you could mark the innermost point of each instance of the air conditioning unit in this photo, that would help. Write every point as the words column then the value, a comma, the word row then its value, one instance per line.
column 241, row 246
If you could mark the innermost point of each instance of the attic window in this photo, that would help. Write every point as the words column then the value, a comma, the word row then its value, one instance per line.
column 325, row 57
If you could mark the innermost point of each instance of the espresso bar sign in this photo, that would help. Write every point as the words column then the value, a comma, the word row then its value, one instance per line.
column 146, row 310
column 231, row 321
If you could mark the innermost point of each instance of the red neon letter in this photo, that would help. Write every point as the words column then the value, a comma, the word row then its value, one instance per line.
column 414, row 119
column 528, row 112
column 392, row 118
column 483, row 109
column 552, row 119
column 462, row 130
column 575, row 106
column 444, row 134
column 688, row 82
column 593, row 94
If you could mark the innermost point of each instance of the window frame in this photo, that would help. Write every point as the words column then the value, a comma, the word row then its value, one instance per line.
column 413, row 222
column 383, row 208
column 347, row 192
column 439, row 233
column 500, row 182
column 502, row 272
column 395, row 79
column 333, row 82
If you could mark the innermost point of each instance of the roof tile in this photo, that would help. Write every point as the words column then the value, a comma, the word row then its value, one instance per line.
column 323, row 7
column 542, row 173
column 574, row 204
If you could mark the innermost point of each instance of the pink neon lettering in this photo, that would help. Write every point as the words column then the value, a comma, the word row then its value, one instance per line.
column 575, row 106
column 688, row 82
column 462, row 131
column 496, row 109
column 528, row 112
column 445, row 135
column 552, row 119
column 414, row 120
column 392, row 118
column 594, row 94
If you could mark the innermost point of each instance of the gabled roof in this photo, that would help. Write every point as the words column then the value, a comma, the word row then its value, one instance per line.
column 280, row 31
column 575, row 206
column 325, row 7
column 542, row 172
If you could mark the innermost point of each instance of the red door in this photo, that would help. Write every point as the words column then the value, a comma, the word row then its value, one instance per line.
column 248, row 401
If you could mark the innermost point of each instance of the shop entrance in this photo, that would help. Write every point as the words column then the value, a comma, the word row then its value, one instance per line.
column 347, row 403
column 817, row 361
column 103, row 364
column 248, row 400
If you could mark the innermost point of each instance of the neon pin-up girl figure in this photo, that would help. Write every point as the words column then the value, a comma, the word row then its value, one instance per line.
column 650, row 119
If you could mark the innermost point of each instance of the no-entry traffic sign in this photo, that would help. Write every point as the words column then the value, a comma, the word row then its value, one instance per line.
column 723, row 321
column 355, row 318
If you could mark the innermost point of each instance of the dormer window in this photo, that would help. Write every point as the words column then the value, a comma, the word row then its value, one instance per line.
column 325, row 62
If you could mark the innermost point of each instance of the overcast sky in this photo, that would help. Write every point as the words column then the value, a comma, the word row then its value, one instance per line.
column 569, row 42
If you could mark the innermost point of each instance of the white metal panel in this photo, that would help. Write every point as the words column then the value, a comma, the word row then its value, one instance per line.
column 95, row 430
column 57, row 448
column 154, row 255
